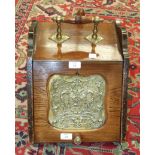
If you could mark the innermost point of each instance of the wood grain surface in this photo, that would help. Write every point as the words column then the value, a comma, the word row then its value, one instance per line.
column 112, row 73
column 77, row 47
column 47, row 61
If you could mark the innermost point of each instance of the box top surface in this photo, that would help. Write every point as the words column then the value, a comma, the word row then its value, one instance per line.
column 77, row 47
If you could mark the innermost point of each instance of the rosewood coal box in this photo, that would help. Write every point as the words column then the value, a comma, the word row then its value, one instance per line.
column 77, row 73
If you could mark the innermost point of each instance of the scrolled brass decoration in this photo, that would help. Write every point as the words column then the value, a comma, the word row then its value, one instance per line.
column 76, row 102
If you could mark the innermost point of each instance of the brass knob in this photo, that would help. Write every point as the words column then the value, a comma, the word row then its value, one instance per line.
column 118, row 22
column 77, row 140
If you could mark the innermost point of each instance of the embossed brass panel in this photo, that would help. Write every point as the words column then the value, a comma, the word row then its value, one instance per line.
column 76, row 102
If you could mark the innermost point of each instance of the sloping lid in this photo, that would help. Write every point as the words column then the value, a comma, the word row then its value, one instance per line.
column 77, row 47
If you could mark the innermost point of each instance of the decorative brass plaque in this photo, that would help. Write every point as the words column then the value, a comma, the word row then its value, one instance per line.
column 76, row 102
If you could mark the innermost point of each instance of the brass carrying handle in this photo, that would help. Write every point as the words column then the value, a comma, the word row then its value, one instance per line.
column 94, row 38
column 77, row 20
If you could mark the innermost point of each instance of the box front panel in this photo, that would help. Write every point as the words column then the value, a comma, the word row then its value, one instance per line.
column 83, row 102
